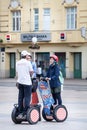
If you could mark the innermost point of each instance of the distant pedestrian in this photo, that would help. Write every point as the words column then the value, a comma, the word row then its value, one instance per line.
column 35, row 99
column 39, row 72
column 29, row 58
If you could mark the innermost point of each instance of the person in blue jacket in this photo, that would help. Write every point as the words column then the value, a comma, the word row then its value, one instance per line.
column 52, row 76
column 34, row 78
column 34, row 100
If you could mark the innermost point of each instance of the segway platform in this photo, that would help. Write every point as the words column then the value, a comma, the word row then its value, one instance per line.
column 59, row 113
column 32, row 116
column 46, row 96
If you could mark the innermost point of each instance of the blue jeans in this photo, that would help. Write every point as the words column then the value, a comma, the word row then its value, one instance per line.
column 24, row 97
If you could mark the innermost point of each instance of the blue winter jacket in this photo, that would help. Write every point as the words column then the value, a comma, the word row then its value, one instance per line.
column 53, row 73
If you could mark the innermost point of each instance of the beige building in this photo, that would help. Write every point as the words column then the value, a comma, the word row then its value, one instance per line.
column 59, row 26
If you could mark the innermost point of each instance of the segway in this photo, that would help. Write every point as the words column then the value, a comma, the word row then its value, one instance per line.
column 32, row 116
column 59, row 113
column 33, row 113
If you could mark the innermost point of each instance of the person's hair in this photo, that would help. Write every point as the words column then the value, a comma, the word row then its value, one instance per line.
column 23, row 57
column 38, row 65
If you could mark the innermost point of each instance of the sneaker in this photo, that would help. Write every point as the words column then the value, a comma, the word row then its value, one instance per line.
column 55, row 106
column 24, row 117
column 20, row 116
column 49, row 117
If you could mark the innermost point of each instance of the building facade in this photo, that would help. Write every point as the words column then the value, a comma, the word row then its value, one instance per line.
column 60, row 27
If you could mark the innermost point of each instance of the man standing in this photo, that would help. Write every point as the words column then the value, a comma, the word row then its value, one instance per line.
column 24, row 70
column 33, row 65
column 39, row 72
column 35, row 99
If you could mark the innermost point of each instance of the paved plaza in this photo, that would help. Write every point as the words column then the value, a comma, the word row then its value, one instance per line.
column 74, row 98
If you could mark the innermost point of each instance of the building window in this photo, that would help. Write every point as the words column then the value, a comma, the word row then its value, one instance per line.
column 36, row 19
column 71, row 17
column 16, row 20
column 46, row 19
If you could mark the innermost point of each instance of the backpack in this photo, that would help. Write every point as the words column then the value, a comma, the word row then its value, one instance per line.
column 61, row 79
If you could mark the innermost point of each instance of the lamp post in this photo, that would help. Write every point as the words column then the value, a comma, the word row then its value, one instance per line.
column 34, row 41
column 34, row 45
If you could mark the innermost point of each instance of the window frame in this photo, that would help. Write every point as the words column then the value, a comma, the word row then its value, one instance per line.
column 46, row 13
column 36, row 19
column 71, row 18
column 16, row 21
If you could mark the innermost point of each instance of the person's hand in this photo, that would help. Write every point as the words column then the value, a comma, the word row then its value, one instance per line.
column 41, row 78
column 31, row 73
column 48, row 78
column 17, row 85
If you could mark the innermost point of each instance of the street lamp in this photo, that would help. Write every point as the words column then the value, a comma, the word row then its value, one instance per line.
column 34, row 41
column 34, row 45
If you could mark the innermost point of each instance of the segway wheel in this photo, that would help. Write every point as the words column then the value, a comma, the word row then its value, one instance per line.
column 60, row 113
column 33, row 115
column 44, row 116
column 13, row 116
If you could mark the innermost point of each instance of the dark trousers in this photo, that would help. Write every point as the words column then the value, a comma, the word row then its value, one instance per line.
column 38, row 76
column 34, row 84
column 56, row 93
column 24, row 97
column 57, row 98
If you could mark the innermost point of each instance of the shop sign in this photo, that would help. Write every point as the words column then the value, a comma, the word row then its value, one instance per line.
column 27, row 37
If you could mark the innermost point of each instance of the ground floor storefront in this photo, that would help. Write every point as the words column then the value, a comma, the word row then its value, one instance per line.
column 72, row 59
